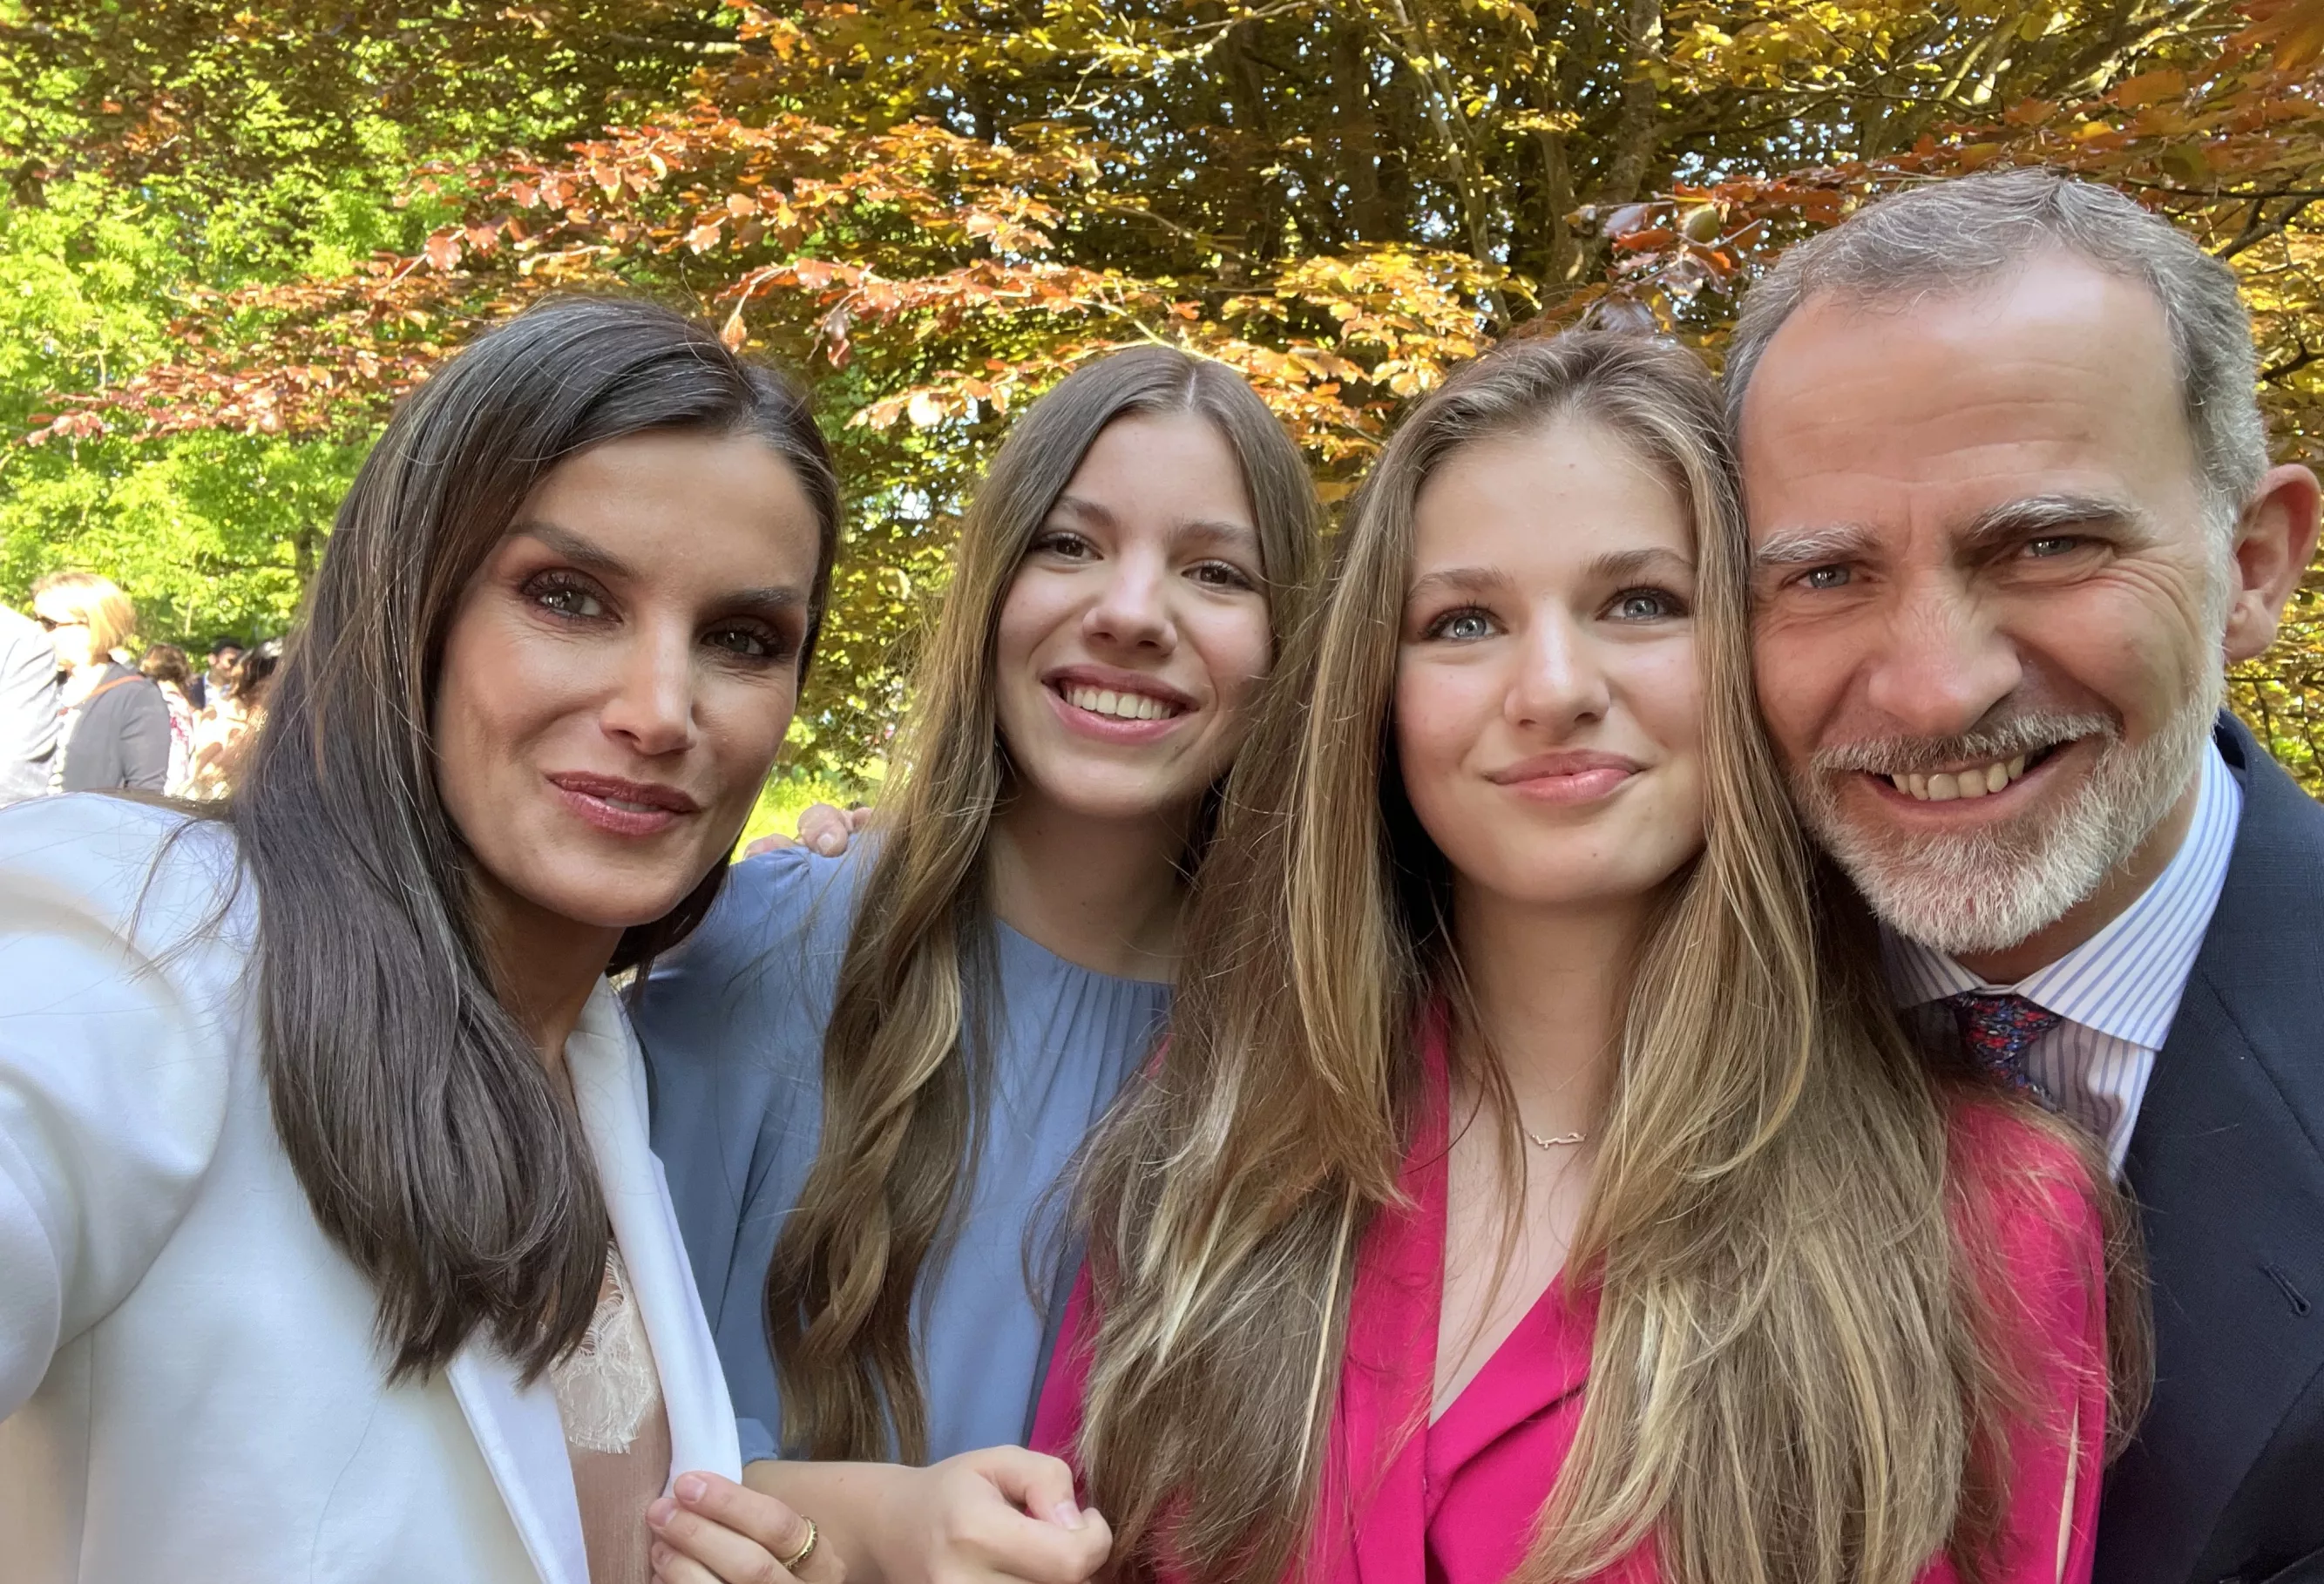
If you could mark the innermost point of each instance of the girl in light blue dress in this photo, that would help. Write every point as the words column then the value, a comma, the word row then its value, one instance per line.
column 870, row 1072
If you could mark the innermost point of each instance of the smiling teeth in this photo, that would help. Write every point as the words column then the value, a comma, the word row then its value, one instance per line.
column 1976, row 781
column 1121, row 706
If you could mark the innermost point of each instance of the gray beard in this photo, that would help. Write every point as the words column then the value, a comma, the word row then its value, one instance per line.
column 1987, row 890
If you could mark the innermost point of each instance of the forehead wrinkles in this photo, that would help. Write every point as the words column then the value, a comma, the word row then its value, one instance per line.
column 2007, row 381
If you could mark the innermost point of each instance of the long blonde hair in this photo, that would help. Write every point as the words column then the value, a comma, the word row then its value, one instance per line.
column 1792, row 1376
column 901, row 1061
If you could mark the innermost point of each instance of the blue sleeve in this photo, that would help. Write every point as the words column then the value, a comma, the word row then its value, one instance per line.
column 758, row 1444
column 732, row 1026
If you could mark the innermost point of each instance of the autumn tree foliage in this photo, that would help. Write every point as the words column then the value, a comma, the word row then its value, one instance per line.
column 934, row 208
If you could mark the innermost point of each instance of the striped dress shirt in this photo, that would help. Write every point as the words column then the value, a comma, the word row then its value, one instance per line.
column 2115, row 993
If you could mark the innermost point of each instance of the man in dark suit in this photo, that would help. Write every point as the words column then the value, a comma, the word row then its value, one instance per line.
column 2011, row 510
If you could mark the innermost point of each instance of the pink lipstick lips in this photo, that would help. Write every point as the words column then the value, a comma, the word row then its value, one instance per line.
column 1574, row 777
column 621, row 807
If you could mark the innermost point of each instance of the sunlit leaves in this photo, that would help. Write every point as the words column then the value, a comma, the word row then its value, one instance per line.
column 936, row 208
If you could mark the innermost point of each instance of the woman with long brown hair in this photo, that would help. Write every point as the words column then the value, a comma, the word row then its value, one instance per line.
column 870, row 1070
column 333, row 1247
column 1535, row 1183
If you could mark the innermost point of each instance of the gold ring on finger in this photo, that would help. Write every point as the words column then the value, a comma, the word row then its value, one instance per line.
column 791, row 1563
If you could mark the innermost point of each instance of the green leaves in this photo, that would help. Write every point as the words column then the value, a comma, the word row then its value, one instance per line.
column 269, row 219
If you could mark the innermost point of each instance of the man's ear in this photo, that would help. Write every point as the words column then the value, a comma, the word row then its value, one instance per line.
column 2274, row 542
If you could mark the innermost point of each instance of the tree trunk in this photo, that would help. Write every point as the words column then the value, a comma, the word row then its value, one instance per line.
column 1359, row 135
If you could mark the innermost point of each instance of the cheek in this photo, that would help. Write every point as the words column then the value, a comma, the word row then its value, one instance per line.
column 1031, row 613
column 744, row 721
column 2133, row 645
column 1667, row 692
column 1438, row 716
column 500, row 692
column 1236, row 650
column 467, row 717
column 1796, row 676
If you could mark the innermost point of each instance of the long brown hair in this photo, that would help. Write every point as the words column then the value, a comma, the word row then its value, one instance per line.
column 1790, row 1378
column 418, row 1117
column 900, row 1061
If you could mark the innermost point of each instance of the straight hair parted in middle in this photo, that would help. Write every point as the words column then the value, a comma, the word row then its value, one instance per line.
column 900, row 1065
column 418, row 1117
column 1794, row 1378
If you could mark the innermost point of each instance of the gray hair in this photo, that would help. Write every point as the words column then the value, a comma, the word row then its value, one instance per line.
column 1951, row 236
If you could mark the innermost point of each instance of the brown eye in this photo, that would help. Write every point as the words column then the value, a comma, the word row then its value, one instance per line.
column 1220, row 574
column 566, row 598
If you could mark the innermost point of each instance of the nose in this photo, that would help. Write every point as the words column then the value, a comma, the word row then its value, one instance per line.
column 649, row 706
column 1943, row 663
column 1132, row 608
column 1559, row 684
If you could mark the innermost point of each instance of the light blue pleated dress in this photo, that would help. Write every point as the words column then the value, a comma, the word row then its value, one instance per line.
column 733, row 1025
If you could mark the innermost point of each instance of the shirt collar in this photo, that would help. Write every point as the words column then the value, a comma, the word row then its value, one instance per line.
column 2127, row 979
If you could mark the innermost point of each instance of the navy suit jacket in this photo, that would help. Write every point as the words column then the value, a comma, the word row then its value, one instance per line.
column 2226, row 1480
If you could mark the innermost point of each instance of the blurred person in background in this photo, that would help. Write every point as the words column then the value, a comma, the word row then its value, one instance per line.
column 28, row 706
column 223, row 733
column 113, row 729
column 217, row 682
column 170, row 671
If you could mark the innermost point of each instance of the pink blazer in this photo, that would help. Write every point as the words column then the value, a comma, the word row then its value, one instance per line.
column 1406, row 1500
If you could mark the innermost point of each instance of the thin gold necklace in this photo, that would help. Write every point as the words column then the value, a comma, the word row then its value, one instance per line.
column 1555, row 1140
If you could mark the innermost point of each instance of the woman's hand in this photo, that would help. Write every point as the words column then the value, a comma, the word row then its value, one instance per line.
column 713, row 1531
column 1000, row 1515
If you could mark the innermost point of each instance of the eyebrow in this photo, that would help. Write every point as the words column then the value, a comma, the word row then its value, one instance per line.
column 1473, row 581
column 1211, row 528
column 1616, row 565
column 1814, row 546
column 583, row 553
column 2035, row 515
column 590, row 556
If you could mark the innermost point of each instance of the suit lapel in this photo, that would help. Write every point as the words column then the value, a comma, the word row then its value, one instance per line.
column 2231, row 1189
column 609, row 1085
column 518, row 1428
column 522, row 1439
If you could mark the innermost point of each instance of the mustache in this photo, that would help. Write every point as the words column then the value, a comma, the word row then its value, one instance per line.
column 2028, row 732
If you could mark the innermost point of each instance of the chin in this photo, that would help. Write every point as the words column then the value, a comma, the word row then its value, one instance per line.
column 1114, row 800
column 615, row 907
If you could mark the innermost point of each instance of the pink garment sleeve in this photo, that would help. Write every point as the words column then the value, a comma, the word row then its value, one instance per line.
column 2028, row 1201
column 1057, row 1419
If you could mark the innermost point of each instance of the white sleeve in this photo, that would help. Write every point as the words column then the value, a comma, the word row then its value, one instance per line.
column 114, row 1060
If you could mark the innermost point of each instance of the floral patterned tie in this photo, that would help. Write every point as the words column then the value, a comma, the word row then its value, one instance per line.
column 1997, row 1030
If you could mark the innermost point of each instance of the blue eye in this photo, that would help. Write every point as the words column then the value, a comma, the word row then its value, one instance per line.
column 1825, row 577
column 1647, row 604
column 2056, row 544
column 1463, row 626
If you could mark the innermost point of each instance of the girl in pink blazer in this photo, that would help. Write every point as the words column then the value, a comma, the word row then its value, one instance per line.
column 1536, row 1182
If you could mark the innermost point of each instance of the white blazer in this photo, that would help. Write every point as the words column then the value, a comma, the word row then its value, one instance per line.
column 189, row 1388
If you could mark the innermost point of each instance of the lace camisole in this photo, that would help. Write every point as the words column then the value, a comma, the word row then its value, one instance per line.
column 616, row 1431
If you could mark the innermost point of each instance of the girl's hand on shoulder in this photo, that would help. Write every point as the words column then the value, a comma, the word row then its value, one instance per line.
column 1000, row 1515
column 713, row 1531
